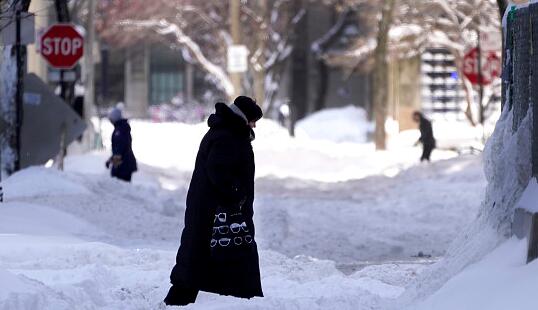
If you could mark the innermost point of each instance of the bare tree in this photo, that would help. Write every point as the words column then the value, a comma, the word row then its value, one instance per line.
column 380, row 74
column 202, row 29
column 417, row 25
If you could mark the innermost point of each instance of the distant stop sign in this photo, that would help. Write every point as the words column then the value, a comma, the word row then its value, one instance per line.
column 62, row 46
column 490, row 63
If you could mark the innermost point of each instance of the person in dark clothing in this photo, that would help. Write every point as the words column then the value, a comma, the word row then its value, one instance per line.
column 122, row 162
column 223, row 179
column 426, row 135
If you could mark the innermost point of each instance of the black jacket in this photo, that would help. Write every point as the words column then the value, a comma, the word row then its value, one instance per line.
column 223, row 175
column 426, row 132
column 122, row 146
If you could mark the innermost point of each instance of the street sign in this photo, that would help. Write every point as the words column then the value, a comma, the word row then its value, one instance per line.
column 55, row 76
column 237, row 59
column 490, row 63
column 491, row 41
column 62, row 46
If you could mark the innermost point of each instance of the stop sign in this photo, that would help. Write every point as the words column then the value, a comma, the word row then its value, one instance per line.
column 62, row 46
column 490, row 63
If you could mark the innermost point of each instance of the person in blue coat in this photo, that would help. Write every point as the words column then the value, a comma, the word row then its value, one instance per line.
column 122, row 163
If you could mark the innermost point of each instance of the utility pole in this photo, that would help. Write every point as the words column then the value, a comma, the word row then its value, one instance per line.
column 89, row 97
column 20, row 89
column 480, row 81
column 62, row 14
column 235, row 30
column 66, row 88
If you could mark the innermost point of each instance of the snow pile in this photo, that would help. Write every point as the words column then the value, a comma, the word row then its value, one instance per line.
column 500, row 281
column 423, row 213
column 80, row 240
column 174, row 145
column 19, row 292
column 37, row 181
column 103, row 244
column 510, row 286
column 507, row 166
column 348, row 124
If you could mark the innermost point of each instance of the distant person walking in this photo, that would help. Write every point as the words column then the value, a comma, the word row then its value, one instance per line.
column 122, row 163
column 218, row 253
column 426, row 135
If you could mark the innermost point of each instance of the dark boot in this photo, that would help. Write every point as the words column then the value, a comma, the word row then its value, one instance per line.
column 180, row 296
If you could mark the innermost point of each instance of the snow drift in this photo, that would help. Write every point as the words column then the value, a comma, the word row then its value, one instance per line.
column 508, row 170
column 348, row 124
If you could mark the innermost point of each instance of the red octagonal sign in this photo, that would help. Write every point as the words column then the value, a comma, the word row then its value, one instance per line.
column 62, row 46
column 490, row 63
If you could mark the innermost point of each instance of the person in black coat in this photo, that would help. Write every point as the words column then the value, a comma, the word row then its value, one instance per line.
column 123, row 161
column 426, row 135
column 223, row 179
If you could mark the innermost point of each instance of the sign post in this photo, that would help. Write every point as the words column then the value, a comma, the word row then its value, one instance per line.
column 481, row 66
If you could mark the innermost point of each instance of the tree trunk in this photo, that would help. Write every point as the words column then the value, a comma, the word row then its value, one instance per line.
column 90, row 109
column 259, row 75
column 299, row 89
column 323, row 85
column 380, row 74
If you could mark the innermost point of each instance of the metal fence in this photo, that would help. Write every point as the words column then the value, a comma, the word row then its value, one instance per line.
column 520, row 70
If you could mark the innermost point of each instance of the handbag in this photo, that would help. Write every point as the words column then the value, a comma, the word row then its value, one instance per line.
column 231, row 236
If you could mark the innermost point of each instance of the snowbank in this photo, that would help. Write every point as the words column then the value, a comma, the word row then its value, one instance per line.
column 500, row 281
column 328, row 158
column 21, row 293
column 59, row 252
column 37, row 181
column 507, row 166
column 348, row 124
column 86, row 241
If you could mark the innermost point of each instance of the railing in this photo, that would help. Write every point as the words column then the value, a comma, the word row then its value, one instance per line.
column 520, row 92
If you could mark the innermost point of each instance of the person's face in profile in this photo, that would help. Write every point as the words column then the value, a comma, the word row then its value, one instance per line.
column 416, row 117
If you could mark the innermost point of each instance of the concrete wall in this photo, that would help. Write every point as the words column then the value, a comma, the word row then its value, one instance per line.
column 35, row 62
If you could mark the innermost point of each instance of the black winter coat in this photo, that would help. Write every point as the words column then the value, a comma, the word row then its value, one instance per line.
column 426, row 133
column 122, row 146
column 223, row 176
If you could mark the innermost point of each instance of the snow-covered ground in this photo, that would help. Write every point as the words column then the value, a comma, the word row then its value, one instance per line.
column 329, row 153
column 339, row 226
column 501, row 280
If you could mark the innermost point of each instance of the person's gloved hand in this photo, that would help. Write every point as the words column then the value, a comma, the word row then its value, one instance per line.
column 107, row 164
column 116, row 161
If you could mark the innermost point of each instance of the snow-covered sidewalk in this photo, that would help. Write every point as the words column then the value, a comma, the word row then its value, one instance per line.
column 339, row 226
column 75, row 240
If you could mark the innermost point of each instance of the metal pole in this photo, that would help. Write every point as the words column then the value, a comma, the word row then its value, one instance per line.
column 480, row 82
column 19, row 91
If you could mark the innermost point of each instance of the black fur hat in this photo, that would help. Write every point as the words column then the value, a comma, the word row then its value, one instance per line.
column 249, row 107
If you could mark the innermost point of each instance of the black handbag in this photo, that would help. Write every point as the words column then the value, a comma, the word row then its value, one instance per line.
column 231, row 236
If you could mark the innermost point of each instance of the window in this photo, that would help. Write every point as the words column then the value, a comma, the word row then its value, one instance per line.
column 166, row 74
column 165, row 85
